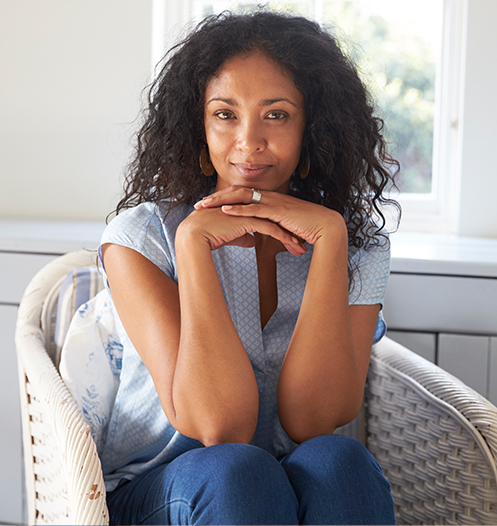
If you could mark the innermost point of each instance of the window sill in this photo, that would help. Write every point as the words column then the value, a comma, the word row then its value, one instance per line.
column 422, row 253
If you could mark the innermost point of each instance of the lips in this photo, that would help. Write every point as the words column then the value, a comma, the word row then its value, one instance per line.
column 250, row 170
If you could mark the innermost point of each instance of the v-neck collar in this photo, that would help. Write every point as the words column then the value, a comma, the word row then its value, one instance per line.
column 291, row 276
column 237, row 270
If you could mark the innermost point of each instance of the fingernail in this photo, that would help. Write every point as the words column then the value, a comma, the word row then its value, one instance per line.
column 206, row 199
column 295, row 240
column 197, row 205
column 227, row 207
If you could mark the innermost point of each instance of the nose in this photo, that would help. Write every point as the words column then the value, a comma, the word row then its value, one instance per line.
column 251, row 137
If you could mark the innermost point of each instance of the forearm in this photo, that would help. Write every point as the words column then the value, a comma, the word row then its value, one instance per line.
column 214, row 390
column 320, row 382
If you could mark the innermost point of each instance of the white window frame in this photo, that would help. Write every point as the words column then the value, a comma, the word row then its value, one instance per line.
column 433, row 212
column 437, row 211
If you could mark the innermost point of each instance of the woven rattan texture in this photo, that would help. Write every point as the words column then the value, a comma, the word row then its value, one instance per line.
column 438, row 471
column 64, row 478
column 52, row 502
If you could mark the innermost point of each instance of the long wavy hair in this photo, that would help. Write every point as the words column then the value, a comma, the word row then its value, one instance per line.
column 351, row 170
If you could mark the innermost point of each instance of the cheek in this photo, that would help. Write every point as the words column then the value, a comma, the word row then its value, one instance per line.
column 292, row 147
column 218, row 140
column 292, row 136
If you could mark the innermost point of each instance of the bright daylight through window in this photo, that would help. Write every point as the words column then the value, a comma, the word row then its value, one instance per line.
column 396, row 46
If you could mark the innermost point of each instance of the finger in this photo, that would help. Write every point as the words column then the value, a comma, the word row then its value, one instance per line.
column 273, row 213
column 245, row 241
column 242, row 236
column 291, row 243
column 296, row 247
column 237, row 231
column 229, row 196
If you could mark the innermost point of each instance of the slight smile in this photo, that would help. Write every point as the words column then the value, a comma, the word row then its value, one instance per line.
column 251, row 170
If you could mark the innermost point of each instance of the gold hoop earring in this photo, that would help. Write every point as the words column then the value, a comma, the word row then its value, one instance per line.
column 205, row 162
column 305, row 165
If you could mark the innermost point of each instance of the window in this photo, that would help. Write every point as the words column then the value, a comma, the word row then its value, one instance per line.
column 409, row 55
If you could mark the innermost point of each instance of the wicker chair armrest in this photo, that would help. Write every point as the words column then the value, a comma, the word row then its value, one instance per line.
column 70, row 434
column 481, row 413
column 434, row 438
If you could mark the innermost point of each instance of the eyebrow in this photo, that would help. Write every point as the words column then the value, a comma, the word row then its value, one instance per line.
column 267, row 102
column 274, row 101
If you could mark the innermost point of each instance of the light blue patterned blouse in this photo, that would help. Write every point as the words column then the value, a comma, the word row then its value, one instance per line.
column 139, row 436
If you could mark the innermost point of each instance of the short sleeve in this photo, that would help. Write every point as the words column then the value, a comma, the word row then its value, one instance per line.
column 141, row 229
column 371, row 268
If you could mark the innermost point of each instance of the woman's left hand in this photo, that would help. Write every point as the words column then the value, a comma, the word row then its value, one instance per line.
column 307, row 221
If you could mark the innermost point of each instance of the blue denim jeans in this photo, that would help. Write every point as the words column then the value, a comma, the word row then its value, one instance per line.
column 329, row 479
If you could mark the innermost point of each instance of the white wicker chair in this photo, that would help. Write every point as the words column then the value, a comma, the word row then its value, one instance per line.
column 434, row 437
column 64, row 481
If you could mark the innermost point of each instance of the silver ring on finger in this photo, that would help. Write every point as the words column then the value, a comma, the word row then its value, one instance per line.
column 256, row 196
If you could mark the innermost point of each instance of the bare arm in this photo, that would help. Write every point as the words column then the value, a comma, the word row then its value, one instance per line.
column 214, row 380
column 322, row 380
column 185, row 335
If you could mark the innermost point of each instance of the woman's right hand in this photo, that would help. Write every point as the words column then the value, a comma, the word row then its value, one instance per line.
column 218, row 229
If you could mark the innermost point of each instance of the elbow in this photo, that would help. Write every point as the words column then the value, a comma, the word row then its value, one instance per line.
column 301, row 432
column 218, row 428
column 214, row 435
column 213, row 439
column 227, row 432
column 224, row 421
column 305, row 426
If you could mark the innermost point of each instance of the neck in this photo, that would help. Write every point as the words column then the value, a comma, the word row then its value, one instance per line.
column 267, row 245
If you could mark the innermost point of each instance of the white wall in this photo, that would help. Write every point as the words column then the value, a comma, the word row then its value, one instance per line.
column 72, row 72
column 478, row 192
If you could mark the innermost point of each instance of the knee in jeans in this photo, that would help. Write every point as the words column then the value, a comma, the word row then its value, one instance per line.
column 338, row 452
column 236, row 462
column 338, row 476
column 244, row 462
column 235, row 484
column 343, row 446
column 354, row 451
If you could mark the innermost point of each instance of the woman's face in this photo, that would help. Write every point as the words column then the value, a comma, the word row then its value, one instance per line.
column 254, row 122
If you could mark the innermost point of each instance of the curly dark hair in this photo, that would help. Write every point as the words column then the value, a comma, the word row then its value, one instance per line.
column 350, row 167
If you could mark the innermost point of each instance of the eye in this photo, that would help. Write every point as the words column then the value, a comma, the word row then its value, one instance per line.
column 276, row 115
column 224, row 115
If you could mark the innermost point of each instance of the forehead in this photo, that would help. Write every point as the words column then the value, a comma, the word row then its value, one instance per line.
column 253, row 73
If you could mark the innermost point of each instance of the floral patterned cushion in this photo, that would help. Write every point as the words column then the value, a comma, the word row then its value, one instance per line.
column 91, row 356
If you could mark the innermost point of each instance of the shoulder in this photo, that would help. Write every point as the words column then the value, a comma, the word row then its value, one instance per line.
column 132, row 224
column 376, row 252
column 371, row 269
column 148, row 228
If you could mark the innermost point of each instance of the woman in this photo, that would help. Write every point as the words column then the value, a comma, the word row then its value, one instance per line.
column 232, row 282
